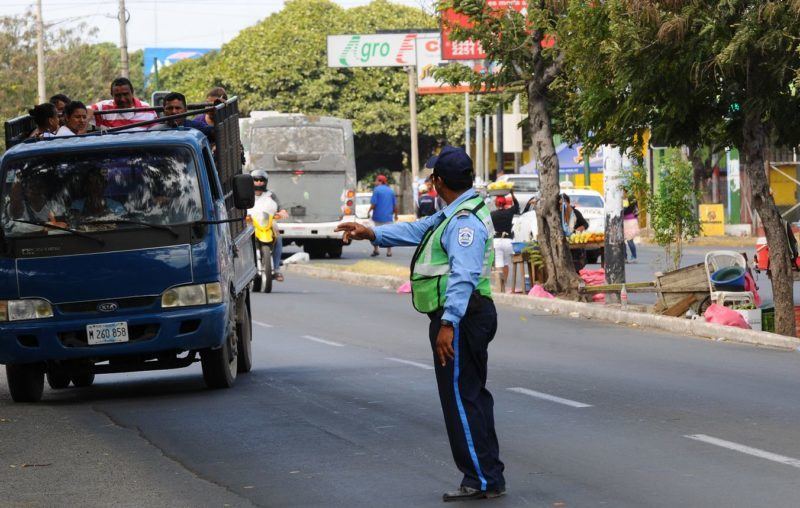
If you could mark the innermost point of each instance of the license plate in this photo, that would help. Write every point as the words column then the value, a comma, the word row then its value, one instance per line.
column 107, row 333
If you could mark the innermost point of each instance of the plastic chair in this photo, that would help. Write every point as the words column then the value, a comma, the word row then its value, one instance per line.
column 717, row 260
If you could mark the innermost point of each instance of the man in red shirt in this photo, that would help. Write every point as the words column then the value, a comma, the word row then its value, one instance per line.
column 123, row 98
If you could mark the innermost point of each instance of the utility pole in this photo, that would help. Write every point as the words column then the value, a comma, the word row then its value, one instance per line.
column 479, row 170
column 122, row 16
column 40, row 77
column 467, row 119
column 499, row 134
column 412, row 106
column 614, row 253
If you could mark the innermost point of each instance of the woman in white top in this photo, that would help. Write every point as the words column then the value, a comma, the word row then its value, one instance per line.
column 76, row 120
column 46, row 118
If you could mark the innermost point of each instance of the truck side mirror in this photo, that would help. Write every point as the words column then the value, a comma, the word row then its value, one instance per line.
column 244, row 192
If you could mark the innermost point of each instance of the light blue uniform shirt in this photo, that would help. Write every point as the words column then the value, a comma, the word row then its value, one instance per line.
column 466, row 256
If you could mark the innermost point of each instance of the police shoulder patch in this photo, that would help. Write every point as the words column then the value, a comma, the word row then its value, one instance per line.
column 465, row 236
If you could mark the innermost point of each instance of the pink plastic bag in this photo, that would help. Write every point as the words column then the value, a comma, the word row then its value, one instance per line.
column 750, row 285
column 540, row 292
column 405, row 288
column 725, row 316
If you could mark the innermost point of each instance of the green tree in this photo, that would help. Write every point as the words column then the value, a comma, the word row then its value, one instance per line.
column 73, row 64
column 723, row 70
column 672, row 221
column 280, row 64
column 527, row 61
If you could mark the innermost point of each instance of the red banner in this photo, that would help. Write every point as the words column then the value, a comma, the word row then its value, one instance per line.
column 469, row 49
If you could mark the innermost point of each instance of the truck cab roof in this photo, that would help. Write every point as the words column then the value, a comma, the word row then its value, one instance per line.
column 109, row 141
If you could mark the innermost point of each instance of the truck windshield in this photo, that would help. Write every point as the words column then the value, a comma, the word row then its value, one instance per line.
column 298, row 139
column 99, row 191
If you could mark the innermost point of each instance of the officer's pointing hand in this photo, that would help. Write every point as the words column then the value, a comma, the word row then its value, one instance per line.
column 355, row 231
column 444, row 345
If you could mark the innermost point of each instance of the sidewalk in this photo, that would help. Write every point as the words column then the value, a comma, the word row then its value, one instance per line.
column 374, row 277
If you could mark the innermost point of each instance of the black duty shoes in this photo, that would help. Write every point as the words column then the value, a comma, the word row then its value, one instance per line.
column 468, row 493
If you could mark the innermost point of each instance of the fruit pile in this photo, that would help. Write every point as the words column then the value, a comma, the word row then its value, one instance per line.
column 500, row 185
column 499, row 188
column 532, row 252
column 586, row 237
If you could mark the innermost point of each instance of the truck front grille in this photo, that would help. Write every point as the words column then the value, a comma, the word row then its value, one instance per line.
column 137, row 302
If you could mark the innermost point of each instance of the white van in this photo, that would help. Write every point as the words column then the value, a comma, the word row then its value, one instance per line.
column 311, row 165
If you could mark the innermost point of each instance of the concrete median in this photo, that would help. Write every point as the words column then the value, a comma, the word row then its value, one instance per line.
column 579, row 310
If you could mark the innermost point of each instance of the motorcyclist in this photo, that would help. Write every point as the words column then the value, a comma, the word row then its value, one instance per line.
column 263, row 214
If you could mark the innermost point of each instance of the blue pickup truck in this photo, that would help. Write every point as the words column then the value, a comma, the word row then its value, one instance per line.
column 125, row 251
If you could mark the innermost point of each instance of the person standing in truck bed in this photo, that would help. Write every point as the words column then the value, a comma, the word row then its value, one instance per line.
column 123, row 98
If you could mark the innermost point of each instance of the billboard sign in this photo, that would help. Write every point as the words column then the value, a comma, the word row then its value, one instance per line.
column 374, row 50
column 429, row 57
column 164, row 57
column 469, row 49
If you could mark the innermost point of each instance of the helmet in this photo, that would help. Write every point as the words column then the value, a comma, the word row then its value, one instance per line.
column 260, row 178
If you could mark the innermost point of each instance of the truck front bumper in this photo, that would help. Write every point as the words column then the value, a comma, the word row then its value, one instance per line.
column 57, row 339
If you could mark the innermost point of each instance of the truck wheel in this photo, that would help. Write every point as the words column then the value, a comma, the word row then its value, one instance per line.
column 266, row 269
column 82, row 379
column 244, row 333
column 25, row 382
column 335, row 249
column 220, row 365
column 58, row 379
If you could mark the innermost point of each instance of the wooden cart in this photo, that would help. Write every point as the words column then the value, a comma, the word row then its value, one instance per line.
column 678, row 290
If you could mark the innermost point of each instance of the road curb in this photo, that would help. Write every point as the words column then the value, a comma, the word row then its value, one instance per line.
column 690, row 327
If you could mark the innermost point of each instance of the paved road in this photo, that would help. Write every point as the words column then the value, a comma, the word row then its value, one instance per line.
column 341, row 410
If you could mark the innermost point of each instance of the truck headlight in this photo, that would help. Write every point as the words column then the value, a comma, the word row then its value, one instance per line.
column 22, row 310
column 195, row 294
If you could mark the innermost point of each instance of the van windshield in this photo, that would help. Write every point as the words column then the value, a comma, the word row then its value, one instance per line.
column 304, row 139
column 99, row 191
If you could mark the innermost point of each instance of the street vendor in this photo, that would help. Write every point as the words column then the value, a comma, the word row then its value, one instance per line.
column 571, row 219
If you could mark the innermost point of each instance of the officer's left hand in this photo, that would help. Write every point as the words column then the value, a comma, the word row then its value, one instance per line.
column 444, row 345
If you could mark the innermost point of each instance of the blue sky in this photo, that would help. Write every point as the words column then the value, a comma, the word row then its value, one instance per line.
column 165, row 23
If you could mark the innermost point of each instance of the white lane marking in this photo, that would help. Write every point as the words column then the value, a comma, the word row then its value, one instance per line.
column 260, row 323
column 413, row 364
column 323, row 341
column 755, row 452
column 547, row 396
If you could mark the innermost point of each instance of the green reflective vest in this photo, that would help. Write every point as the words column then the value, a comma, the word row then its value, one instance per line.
column 430, row 266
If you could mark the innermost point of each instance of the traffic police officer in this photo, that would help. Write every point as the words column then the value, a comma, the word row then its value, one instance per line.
column 450, row 282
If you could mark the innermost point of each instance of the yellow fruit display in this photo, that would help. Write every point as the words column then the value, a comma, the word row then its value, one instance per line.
column 500, row 185
column 586, row 237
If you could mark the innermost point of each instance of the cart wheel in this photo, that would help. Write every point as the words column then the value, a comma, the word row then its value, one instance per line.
column 704, row 304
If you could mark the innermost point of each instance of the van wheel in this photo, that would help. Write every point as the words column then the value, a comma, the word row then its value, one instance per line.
column 335, row 249
column 244, row 333
column 82, row 379
column 58, row 379
column 25, row 382
column 220, row 365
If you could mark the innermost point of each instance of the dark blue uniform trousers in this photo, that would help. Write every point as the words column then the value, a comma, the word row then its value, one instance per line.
column 467, row 405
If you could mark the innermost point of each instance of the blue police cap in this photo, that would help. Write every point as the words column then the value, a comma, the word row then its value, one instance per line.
column 453, row 163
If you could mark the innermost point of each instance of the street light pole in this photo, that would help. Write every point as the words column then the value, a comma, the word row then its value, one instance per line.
column 412, row 106
column 40, row 76
column 123, row 39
